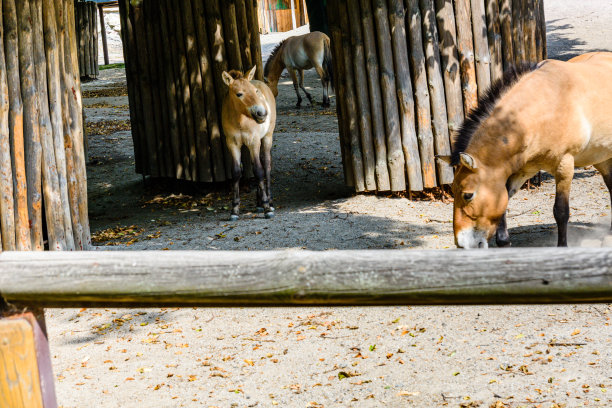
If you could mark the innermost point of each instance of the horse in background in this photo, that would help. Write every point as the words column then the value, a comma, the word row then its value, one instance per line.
column 554, row 117
column 297, row 54
column 248, row 117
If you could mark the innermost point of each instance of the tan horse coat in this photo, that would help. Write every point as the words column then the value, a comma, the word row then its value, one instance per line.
column 555, row 118
column 248, row 117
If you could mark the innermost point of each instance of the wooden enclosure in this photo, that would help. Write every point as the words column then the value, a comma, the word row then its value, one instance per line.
column 175, row 52
column 43, row 184
column 86, row 22
column 409, row 71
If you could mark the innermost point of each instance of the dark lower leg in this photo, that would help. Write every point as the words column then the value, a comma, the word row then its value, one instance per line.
column 301, row 75
column 267, row 164
column 607, row 177
column 262, row 195
column 502, row 238
column 236, row 174
column 561, row 212
column 325, row 84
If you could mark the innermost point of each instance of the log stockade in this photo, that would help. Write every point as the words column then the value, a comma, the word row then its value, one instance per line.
column 43, row 185
column 426, row 63
column 86, row 22
column 295, row 277
column 175, row 52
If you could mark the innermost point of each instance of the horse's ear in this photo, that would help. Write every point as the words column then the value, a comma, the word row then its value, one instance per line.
column 251, row 73
column 444, row 158
column 468, row 161
column 227, row 78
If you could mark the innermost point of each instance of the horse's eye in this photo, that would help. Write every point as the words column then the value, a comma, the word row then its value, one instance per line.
column 468, row 196
column 239, row 94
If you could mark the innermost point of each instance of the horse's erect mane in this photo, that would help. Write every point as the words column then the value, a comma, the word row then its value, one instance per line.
column 272, row 55
column 485, row 107
column 236, row 74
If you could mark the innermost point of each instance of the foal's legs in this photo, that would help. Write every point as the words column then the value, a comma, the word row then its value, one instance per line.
column 236, row 174
column 502, row 238
column 295, row 85
column 324, row 83
column 267, row 163
column 301, row 75
column 605, row 169
column 563, row 178
column 258, row 170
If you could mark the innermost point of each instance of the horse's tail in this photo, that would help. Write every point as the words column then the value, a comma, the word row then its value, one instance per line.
column 327, row 63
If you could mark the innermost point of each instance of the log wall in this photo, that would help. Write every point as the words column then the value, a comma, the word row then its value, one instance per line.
column 43, row 187
column 418, row 67
column 175, row 52
column 86, row 22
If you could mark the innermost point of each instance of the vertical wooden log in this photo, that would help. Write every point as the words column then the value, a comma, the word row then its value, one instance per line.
column 197, row 96
column 495, row 40
column 50, row 181
column 351, row 106
column 156, row 115
column 253, row 19
column 144, row 79
column 341, row 109
column 103, row 33
column 212, row 115
column 214, row 26
column 52, row 50
column 7, row 207
column 449, row 59
column 76, row 127
column 373, row 75
column 94, row 19
column 230, row 29
column 130, row 52
column 31, row 126
column 436, row 91
column 466, row 55
column 481, row 47
column 363, row 101
column 421, row 93
column 244, row 35
column 518, row 38
column 405, row 97
column 529, row 15
column 170, row 85
column 80, row 15
column 542, row 29
column 505, row 17
column 86, row 33
column 395, row 153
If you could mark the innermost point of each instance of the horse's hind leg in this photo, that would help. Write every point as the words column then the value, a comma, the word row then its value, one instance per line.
column 301, row 75
column 236, row 175
column 295, row 86
column 605, row 169
column 324, row 83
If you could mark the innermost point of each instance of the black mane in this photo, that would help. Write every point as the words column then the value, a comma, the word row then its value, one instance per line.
column 486, row 104
column 272, row 55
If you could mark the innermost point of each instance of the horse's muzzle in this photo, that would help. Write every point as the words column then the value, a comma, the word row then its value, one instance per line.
column 259, row 114
column 470, row 238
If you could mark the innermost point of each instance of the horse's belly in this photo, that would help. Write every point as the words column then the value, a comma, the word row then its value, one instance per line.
column 598, row 150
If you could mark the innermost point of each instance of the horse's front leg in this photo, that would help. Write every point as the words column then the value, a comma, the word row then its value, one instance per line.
column 502, row 237
column 563, row 178
column 267, row 164
column 258, row 171
column 295, row 86
column 301, row 75
column 236, row 175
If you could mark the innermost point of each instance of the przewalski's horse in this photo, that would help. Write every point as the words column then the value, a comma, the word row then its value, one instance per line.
column 297, row 54
column 248, row 118
column 553, row 118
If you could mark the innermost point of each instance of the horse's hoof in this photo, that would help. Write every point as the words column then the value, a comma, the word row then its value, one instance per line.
column 503, row 244
column 260, row 210
column 271, row 209
column 234, row 217
column 269, row 215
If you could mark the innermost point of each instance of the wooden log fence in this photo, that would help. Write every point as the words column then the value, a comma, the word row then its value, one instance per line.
column 175, row 52
column 86, row 20
column 417, row 89
column 270, row 278
column 43, row 187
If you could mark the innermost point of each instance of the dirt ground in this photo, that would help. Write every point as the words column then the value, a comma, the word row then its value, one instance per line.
column 514, row 356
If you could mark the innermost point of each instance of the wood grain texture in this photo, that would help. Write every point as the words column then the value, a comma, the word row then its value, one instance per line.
column 465, row 48
column 19, row 382
column 481, row 47
column 505, row 18
column 501, row 276
column 495, row 39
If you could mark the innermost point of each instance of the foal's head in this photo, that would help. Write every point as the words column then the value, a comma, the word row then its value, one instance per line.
column 245, row 98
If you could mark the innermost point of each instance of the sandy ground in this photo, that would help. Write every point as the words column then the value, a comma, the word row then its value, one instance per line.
column 519, row 356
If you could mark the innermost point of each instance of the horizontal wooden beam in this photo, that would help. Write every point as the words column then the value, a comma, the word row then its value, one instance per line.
column 292, row 277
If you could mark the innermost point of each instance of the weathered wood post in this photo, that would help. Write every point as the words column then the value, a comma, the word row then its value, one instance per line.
column 86, row 20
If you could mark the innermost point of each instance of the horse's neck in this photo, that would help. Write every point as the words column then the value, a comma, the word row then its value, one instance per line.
column 277, row 68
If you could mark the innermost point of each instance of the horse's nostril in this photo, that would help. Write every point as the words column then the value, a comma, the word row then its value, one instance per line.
column 481, row 244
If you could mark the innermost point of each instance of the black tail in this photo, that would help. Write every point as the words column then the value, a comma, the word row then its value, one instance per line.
column 327, row 64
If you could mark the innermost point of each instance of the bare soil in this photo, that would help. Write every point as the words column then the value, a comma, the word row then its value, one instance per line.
column 512, row 356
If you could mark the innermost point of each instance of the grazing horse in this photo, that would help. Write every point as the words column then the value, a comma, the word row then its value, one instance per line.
column 299, row 53
column 248, row 117
column 554, row 117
